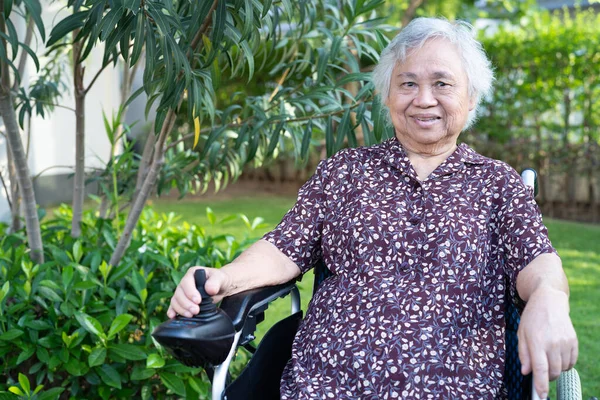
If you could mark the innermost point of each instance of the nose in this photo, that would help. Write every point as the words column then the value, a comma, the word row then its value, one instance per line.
column 425, row 97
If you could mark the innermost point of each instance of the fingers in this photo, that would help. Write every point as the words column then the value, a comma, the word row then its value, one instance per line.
column 574, row 355
column 565, row 358
column 524, row 356
column 186, row 298
column 182, row 305
column 554, row 362
column 540, row 376
column 188, row 285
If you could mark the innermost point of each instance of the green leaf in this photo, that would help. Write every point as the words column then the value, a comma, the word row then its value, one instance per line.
column 219, row 24
column 11, row 334
column 244, row 46
column 85, row 285
column 210, row 215
column 173, row 382
column 49, row 294
column 107, row 26
column 97, row 357
column 76, row 367
column 155, row 361
column 118, row 324
column 306, row 140
column 50, row 394
column 4, row 290
column 38, row 325
column 35, row 11
column 12, row 37
column 16, row 390
column 24, row 382
column 141, row 374
column 353, row 77
column 7, row 8
column 65, row 26
column 42, row 355
column 90, row 324
column 26, row 355
column 129, row 351
column 67, row 276
column 248, row 18
column 50, row 284
column 322, row 64
column 329, row 139
column 109, row 238
column 109, row 375
column 138, row 39
column 138, row 282
column 77, row 252
column 275, row 138
column 120, row 272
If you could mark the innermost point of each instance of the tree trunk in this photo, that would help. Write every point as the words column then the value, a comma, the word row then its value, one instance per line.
column 79, row 179
column 15, row 146
column 145, row 163
column 146, row 189
column 128, row 76
column 15, row 209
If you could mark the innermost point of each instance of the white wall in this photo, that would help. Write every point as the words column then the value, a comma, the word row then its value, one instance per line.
column 53, row 137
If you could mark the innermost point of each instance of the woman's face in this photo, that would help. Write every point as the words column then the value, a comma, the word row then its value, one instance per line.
column 428, row 100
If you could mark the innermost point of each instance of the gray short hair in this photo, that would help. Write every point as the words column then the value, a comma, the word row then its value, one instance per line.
column 477, row 66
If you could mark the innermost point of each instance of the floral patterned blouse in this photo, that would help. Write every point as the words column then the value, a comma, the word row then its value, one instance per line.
column 421, row 274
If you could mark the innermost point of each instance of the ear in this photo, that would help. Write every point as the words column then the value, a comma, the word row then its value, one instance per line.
column 473, row 102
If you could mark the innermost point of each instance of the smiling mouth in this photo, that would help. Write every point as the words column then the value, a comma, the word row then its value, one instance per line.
column 426, row 119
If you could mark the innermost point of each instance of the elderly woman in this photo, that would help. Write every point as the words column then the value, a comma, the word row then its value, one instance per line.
column 424, row 238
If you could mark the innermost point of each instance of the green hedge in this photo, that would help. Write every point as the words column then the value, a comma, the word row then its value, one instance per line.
column 75, row 327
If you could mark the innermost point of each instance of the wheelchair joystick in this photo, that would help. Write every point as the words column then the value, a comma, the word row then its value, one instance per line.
column 203, row 340
column 208, row 309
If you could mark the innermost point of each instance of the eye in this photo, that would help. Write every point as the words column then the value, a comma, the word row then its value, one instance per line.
column 408, row 84
column 441, row 84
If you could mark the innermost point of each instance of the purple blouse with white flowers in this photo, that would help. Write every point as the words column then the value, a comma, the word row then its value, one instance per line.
column 415, row 306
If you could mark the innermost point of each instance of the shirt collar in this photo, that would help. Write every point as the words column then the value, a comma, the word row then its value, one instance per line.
column 395, row 156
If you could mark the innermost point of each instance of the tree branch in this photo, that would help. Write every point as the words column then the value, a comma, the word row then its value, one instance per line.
column 6, row 191
column 249, row 120
column 203, row 28
column 24, row 54
column 54, row 105
column 86, row 90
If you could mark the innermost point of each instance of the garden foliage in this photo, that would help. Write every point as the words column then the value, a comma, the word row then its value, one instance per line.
column 77, row 326
column 544, row 111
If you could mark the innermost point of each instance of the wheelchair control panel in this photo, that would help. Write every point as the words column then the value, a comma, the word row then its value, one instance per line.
column 203, row 340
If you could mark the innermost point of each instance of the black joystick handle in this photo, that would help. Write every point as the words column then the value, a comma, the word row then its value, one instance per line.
column 207, row 307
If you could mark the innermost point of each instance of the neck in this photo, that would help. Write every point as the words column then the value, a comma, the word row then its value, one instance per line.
column 425, row 162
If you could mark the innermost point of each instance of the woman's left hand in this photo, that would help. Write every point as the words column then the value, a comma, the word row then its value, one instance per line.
column 547, row 340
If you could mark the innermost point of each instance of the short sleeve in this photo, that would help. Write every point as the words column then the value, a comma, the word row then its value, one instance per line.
column 298, row 235
column 522, row 233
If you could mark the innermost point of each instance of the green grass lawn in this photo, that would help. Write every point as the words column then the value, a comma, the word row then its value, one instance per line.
column 577, row 244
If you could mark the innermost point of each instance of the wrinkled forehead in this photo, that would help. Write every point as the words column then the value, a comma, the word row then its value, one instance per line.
column 437, row 57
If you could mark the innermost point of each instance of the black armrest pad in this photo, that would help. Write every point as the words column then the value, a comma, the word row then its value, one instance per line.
column 239, row 305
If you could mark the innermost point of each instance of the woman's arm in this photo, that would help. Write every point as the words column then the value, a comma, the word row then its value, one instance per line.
column 547, row 339
column 262, row 264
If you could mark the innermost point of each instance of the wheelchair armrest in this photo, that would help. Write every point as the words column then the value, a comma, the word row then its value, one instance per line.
column 238, row 306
